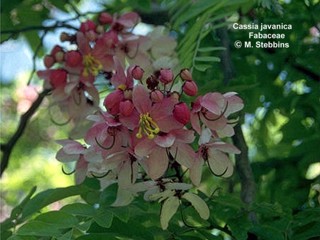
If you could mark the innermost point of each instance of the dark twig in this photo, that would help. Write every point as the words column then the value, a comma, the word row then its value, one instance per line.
column 242, row 161
column 35, row 56
column 7, row 147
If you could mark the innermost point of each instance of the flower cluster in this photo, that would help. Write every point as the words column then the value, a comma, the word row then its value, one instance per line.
column 145, row 137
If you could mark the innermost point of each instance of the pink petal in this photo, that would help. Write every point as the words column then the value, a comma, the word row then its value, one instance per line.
column 235, row 103
column 195, row 122
column 214, row 122
column 65, row 158
column 141, row 99
column 196, row 171
column 213, row 102
column 165, row 140
column 219, row 163
column 129, row 19
column 183, row 153
column 145, row 147
column 184, row 135
column 119, row 77
column 225, row 147
column 157, row 163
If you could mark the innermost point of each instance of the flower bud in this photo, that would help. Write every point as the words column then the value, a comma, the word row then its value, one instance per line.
column 190, row 88
column 126, row 108
column 105, row 18
column 181, row 113
column 185, row 75
column 48, row 61
column 58, row 78
column 99, row 29
column 55, row 50
column 87, row 26
column 137, row 73
column 59, row 56
column 112, row 101
column 156, row 96
column 73, row 58
column 166, row 76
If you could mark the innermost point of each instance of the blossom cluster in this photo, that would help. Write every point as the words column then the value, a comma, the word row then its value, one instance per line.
column 145, row 137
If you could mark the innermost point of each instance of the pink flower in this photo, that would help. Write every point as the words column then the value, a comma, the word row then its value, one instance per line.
column 214, row 153
column 155, row 153
column 105, row 18
column 153, row 117
column 73, row 151
column 55, row 78
column 73, row 58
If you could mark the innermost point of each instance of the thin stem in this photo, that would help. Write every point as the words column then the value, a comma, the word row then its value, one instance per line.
column 7, row 147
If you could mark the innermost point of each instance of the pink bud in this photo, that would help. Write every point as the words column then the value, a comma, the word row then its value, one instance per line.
column 100, row 29
column 59, row 56
column 190, row 88
column 58, row 78
column 156, row 96
column 87, row 26
column 73, row 58
column 185, row 74
column 56, row 49
column 126, row 108
column 166, row 76
column 137, row 73
column 181, row 113
column 48, row 61
column 112, row 101
column 105, row 18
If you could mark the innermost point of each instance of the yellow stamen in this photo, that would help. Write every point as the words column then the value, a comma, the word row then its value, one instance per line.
column 147, row 126
column 91, row 65
column 122, row 87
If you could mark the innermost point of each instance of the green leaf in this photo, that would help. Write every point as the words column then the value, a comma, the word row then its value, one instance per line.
column 202, row 67
column 103, row 218
column 66, row 236
column 207, row 59
column 122, row 213
column 97, row 236
column 267, row 233
column 50, row 196
column 210, row 49
column 58, row 219
column 38, row 228
column 80, row 209
column 196, row 9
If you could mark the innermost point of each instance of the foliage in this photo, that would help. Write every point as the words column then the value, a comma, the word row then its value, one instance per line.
column 280, row 88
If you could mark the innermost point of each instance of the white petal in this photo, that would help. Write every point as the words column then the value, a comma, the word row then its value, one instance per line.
column 169, row 208
column 198, row 203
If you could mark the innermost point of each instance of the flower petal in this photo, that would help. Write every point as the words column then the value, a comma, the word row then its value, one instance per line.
column 169, row 208
column 141, row 99
column 165, row 140
column 198, row 203
column 219, row 163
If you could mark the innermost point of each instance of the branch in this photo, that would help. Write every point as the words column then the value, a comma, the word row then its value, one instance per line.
column 242, row 160
column 7, row 147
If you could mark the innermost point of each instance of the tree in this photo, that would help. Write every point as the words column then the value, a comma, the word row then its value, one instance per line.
column 154, row 156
